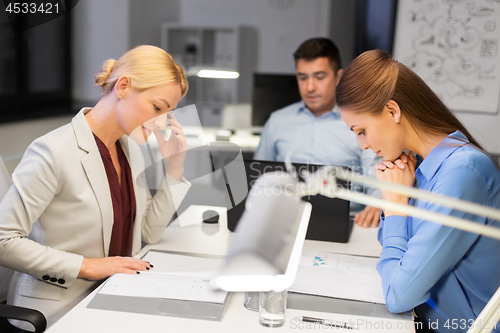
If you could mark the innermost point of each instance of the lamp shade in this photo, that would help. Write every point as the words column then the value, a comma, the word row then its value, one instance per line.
column 267, row 246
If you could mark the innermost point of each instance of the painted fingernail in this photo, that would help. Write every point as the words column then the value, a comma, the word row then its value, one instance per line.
column 147, row 268
column 151, row 266
column 138, row 272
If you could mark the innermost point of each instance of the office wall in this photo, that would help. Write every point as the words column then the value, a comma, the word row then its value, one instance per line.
column 343, row 28
column 100, row 30
column 485, row 129
column 104, row 29
column 281, row 25
column 146, row 18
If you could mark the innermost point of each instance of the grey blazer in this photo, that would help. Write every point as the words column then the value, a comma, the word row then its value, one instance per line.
column 62, row 183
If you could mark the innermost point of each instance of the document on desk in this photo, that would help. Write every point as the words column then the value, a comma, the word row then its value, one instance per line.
column 340, row 276
column 174, row 276
column 182, row 265
column 162, row 286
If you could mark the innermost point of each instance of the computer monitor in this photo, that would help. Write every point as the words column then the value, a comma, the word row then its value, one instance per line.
column 330, row 219
column 270, row 93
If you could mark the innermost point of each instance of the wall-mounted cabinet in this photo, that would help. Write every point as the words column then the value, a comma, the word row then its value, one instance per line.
column 230, row 48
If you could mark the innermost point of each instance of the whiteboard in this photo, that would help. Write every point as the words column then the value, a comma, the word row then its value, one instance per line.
column 453, row 46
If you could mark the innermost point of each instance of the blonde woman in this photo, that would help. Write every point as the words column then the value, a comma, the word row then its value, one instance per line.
column 80, row 182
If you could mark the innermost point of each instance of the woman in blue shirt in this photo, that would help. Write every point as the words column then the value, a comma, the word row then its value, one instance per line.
column 446, row 274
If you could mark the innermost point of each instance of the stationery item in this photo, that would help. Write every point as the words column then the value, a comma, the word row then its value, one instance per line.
column 339, row 275
column 176, row 286
column 182, row 264
column 162, row 286
column 326, row 322
column 272, row 308
column 173, row 276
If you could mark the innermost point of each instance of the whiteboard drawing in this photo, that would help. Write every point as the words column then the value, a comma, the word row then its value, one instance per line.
column 453, row 46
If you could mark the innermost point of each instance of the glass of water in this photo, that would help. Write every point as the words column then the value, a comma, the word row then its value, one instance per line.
column 272, row 308
column 251, row 300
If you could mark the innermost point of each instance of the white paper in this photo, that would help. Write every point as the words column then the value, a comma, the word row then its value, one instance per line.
column 340, row 276
column 162, row 286
column 182, row 265
column 173, row 276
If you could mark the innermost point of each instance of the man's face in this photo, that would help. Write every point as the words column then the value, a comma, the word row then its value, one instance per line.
column 317, row 82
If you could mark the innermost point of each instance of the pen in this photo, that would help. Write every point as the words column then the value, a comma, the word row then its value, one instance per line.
column 326, row 322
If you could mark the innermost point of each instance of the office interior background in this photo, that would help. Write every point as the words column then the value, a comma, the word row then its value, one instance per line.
column 47, row 72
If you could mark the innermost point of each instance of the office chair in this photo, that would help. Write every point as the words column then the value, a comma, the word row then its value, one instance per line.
column 36, row 318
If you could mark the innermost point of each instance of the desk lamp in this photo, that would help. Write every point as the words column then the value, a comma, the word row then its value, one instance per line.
column 267, row 245
column 263, row 244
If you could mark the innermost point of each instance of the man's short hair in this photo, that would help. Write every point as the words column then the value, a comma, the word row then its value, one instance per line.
column 316, row 48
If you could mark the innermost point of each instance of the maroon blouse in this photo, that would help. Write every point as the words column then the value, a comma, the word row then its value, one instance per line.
column 123, row 199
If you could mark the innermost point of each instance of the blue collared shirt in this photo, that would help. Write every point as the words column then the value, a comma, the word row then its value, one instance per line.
column 452, row 273
column 327, row 139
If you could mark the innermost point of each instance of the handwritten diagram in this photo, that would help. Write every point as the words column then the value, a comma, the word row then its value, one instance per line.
column 339, row 275
column 340, row 262
column 453, row 46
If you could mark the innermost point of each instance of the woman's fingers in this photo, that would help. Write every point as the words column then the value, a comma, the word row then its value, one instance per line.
column 171, row 120
column 403, row 157
column 158, row 135
column 101, row 268
column 176, row 129
column 388, row 164
column 375, row 219
column 412, row 158
column 400, row 163
column 368, row 217
column 135, row 263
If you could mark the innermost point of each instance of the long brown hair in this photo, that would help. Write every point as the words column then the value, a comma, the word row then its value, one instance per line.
column 374, row 78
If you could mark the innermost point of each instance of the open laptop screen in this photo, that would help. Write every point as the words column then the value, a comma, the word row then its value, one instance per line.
column 329, row 218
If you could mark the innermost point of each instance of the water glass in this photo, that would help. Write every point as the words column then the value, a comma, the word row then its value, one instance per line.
column 251, row 300
column 272, row 307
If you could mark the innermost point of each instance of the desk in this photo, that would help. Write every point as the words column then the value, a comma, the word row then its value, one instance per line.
column 214, row 239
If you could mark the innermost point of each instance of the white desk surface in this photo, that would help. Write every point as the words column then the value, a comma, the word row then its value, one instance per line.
column 214, row 239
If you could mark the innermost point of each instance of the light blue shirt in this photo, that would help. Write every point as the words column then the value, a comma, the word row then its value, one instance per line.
column 452, row 273
column 327, row 139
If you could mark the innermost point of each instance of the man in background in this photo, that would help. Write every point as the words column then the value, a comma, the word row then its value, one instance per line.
column 315, row 123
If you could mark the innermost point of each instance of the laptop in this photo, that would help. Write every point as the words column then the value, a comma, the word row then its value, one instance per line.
column 329, row 218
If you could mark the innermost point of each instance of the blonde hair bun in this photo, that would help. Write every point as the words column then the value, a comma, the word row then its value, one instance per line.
column 147, row 66
column 105, row 72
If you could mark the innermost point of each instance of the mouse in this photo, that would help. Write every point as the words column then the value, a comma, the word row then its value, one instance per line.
column 210, row 216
